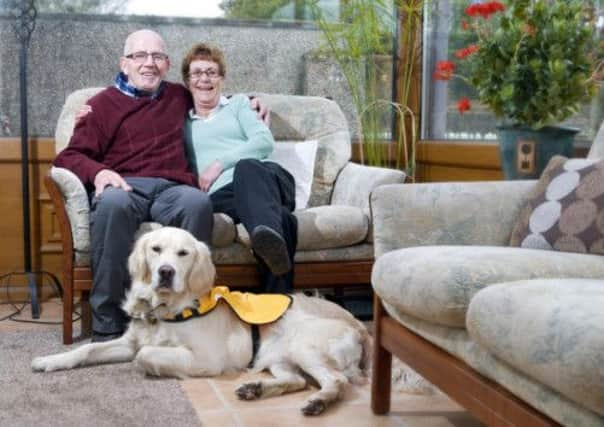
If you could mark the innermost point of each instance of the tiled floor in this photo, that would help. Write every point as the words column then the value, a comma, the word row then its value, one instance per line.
column 216, row 404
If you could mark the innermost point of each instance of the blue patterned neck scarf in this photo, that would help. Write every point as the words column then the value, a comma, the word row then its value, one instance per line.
column 121, row 83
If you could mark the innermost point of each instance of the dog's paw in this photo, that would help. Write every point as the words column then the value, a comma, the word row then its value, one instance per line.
column 314, row 407
column 46, row 364
column 38, row 364
column 249, row 391
column 138, row 301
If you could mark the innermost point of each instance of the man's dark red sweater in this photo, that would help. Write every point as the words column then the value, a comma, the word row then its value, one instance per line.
column 140, row 137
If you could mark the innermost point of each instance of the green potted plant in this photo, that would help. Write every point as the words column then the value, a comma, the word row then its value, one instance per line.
column 531, row 64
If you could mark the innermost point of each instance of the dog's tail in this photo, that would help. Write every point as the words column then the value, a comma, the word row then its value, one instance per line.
column 367, row 343
column 406, row 380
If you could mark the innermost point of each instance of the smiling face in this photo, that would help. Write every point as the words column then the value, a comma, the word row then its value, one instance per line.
column 146, row 75
column 205, row 83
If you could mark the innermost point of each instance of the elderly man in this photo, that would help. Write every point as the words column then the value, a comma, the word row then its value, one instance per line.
column 130, row 154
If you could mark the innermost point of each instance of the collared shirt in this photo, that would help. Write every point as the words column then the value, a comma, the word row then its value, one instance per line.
column 222, row 102
column 121, row 83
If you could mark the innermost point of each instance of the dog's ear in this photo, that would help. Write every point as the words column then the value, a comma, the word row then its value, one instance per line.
column 137, row 261
column 202, row 274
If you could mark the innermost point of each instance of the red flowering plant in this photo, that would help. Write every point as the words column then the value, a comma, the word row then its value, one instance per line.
column 530, row 61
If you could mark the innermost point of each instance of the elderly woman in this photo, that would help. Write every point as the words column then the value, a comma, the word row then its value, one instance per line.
column 228, row 147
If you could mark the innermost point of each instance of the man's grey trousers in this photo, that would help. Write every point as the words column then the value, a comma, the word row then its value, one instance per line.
column 116, row 215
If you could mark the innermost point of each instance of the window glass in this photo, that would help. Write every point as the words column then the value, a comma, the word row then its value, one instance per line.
column 279, row 10
column 443, row 35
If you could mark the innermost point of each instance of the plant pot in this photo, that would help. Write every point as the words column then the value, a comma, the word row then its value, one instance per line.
column 524, row 152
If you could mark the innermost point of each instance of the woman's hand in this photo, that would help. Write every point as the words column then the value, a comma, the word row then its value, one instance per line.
column 207, row 178
column 261, row 110
column 81, row 113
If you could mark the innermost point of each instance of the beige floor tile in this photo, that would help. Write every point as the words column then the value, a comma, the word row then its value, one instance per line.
column 402, row 402
column 202, row 395
column 220, row 418
column 227, row 385
column 459, row 419
column 342, row 414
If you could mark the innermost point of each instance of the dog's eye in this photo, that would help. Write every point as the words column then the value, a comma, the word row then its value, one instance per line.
column 182, row 252
column 156, row 248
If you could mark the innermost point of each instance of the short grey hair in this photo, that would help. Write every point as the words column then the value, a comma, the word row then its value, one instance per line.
column 141, row 33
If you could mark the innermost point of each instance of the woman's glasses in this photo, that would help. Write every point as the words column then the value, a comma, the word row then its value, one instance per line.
column 212, row 73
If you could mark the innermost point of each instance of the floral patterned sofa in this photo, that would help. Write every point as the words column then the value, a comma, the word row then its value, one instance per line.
column 515, row 335
column 335, row 246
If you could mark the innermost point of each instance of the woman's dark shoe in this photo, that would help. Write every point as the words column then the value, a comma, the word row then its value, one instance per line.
column 271, row 248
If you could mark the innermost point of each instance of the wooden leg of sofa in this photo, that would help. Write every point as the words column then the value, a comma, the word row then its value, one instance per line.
column 382, row 365
column 67, row 311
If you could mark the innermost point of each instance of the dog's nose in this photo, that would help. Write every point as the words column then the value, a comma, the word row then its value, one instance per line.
column 166, row 274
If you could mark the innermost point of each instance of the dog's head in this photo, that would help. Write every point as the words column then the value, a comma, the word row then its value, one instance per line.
column 172, row 262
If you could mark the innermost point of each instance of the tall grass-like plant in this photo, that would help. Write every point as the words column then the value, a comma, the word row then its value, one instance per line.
column 365, row 31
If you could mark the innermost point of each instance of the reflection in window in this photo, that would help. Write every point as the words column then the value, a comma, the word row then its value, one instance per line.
column 279, row 10
column 273, row 10
column 443, row 35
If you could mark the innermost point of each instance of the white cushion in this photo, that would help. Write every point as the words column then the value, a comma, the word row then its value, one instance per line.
column 298, row 158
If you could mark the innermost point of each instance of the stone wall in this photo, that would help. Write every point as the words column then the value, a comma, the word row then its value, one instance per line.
column 76, row 51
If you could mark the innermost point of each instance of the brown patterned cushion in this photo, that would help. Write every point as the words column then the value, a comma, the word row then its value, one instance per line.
column 565, row 212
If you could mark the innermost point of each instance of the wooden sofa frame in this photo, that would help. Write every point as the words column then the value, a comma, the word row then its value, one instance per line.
column 482, row 397
column 79, row 279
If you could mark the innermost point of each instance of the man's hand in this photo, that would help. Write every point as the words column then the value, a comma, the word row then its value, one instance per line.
column 207, row 178
column 107, row 177
column 81, row 113
column 262, row 111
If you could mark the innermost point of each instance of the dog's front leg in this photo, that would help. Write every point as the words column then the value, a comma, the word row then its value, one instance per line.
column 179, row 362
column 118, row 350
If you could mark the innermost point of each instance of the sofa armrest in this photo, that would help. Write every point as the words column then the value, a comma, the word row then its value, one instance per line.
column 356, row 182
column 462, row 213
column 76, row 203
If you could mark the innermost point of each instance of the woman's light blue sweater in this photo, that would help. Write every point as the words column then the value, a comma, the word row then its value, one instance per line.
column 228, row 135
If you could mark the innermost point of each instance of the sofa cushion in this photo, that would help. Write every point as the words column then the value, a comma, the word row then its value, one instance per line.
column 324, row 227
column 459, row 344
column 236, row 253
column 298, row 118
column 436, row 283
column 223, row 234
column 551, row 330
column 78, row 209
column 298, row 158
column 65, row 124
column 566, row 210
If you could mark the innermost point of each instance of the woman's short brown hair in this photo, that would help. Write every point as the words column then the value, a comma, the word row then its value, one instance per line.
column 206, row 52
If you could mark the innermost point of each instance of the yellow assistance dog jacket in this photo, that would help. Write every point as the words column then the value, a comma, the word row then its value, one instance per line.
column 254, row 309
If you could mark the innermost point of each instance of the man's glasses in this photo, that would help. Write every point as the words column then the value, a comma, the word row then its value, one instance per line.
column 212, row 73
column 141, row 57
